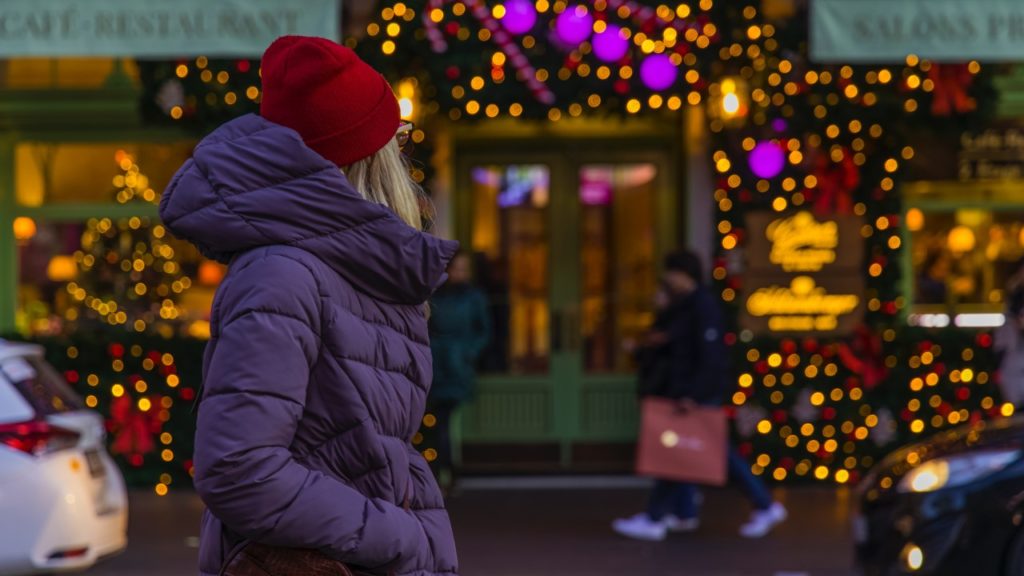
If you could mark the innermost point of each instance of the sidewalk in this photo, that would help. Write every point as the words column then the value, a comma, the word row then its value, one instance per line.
column 566, row 533
column 556, row 532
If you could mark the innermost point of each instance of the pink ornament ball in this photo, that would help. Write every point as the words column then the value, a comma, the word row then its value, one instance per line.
column 658, row 72
column 610, row 46
column 574, row 25
column 767, row 159
column 520, row 16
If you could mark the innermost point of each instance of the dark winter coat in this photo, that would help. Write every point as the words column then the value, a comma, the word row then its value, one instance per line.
column 317, row 371
column 654, row 359
column 699, row 359
column 460, row 328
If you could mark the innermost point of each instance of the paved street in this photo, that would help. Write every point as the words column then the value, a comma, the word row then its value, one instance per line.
column 556, row 532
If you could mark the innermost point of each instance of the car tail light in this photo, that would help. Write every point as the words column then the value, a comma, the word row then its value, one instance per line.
column 68, row 554
column 37, row 437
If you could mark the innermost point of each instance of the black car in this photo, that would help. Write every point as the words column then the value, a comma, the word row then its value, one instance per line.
column 952, row 505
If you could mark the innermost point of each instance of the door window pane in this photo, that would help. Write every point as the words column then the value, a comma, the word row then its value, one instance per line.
column 511, row 245
column 618, row 267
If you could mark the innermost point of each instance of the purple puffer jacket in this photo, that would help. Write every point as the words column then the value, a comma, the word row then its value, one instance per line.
column 318, row 366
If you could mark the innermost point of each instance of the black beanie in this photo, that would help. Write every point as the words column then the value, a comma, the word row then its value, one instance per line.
column 686, row 262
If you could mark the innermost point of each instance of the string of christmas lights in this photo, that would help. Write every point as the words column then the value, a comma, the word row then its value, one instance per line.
column 146, row 396
column 823, row 138
column 787, row 135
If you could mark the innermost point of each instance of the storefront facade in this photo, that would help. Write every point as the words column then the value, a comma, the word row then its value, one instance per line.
column 567, row 226
column 566, row 222
column 794, row 179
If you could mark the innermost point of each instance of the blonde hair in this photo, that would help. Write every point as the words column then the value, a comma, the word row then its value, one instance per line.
column 384, row 178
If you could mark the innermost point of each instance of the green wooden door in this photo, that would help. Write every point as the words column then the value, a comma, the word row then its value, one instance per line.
column 566, row 244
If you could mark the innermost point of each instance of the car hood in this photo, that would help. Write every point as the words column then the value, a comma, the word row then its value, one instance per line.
column 994, row 435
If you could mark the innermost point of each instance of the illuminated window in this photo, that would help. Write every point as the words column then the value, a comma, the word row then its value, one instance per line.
column 90, row 248
column 963, row 259
column 64, row 73
column 60, row 173
column 511, row 244
column 62, row 285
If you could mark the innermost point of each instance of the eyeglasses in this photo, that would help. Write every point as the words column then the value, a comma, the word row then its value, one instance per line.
column 404, row 136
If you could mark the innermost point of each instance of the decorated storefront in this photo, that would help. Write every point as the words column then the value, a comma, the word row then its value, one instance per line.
column 858, row 225
column 816, row 164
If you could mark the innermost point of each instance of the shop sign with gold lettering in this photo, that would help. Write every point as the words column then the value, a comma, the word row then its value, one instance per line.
column 802, row 243
column 801, row 304
column 803, row 274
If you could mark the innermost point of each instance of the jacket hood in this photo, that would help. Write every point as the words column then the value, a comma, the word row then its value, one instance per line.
column 252, row 183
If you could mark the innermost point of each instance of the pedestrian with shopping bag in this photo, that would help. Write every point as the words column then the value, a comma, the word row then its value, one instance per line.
column 683, row 438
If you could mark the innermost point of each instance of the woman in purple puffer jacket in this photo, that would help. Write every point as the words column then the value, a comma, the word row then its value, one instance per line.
column 319, row 363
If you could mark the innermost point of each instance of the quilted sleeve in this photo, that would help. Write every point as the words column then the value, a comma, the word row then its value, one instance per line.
column 255, row 388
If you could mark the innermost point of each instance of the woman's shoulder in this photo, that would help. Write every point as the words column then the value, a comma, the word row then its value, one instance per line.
column 277, row 276
column 278, row 262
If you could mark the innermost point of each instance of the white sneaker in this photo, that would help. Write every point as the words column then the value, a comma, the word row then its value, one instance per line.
column 762, row 521
column 677, row 524
column 641, row 527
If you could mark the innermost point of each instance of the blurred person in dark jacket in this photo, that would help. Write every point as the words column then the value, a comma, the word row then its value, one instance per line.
column 1009, row 340
column 688, row 338
column 460, row 328
column 650, row 350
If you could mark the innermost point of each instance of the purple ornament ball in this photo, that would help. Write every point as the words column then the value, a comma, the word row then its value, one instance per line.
column 609, row 45
column 574, row 25
column 767, row 159
column 658, row 72
column 520, row 16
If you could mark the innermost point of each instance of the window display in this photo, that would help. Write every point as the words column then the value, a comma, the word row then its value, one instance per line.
column 963, row 259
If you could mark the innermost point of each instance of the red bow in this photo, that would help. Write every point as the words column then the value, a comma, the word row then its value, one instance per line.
column 132, row 428
column 836, row 183
column 865, row 357
column 949, row 95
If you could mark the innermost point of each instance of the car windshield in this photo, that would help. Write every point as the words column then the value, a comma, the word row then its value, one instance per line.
column 38, row 385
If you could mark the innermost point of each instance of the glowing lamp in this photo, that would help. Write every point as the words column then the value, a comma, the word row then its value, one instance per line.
column 729, row 100
column 913, row 557
column 915, row 220
column 611, row 45
column 24, row 228
column 766, row 160
column 210, row 273
column 406, row 92
column 658, row 72
column 62, row 268
column 961, row 239
column 731, row 103
column 520, row 16
column 574, row 25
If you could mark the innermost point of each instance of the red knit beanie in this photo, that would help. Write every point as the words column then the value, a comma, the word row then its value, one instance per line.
column 343, row 109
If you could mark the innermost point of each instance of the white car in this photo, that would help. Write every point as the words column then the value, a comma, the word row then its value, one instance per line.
column 63, row 503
